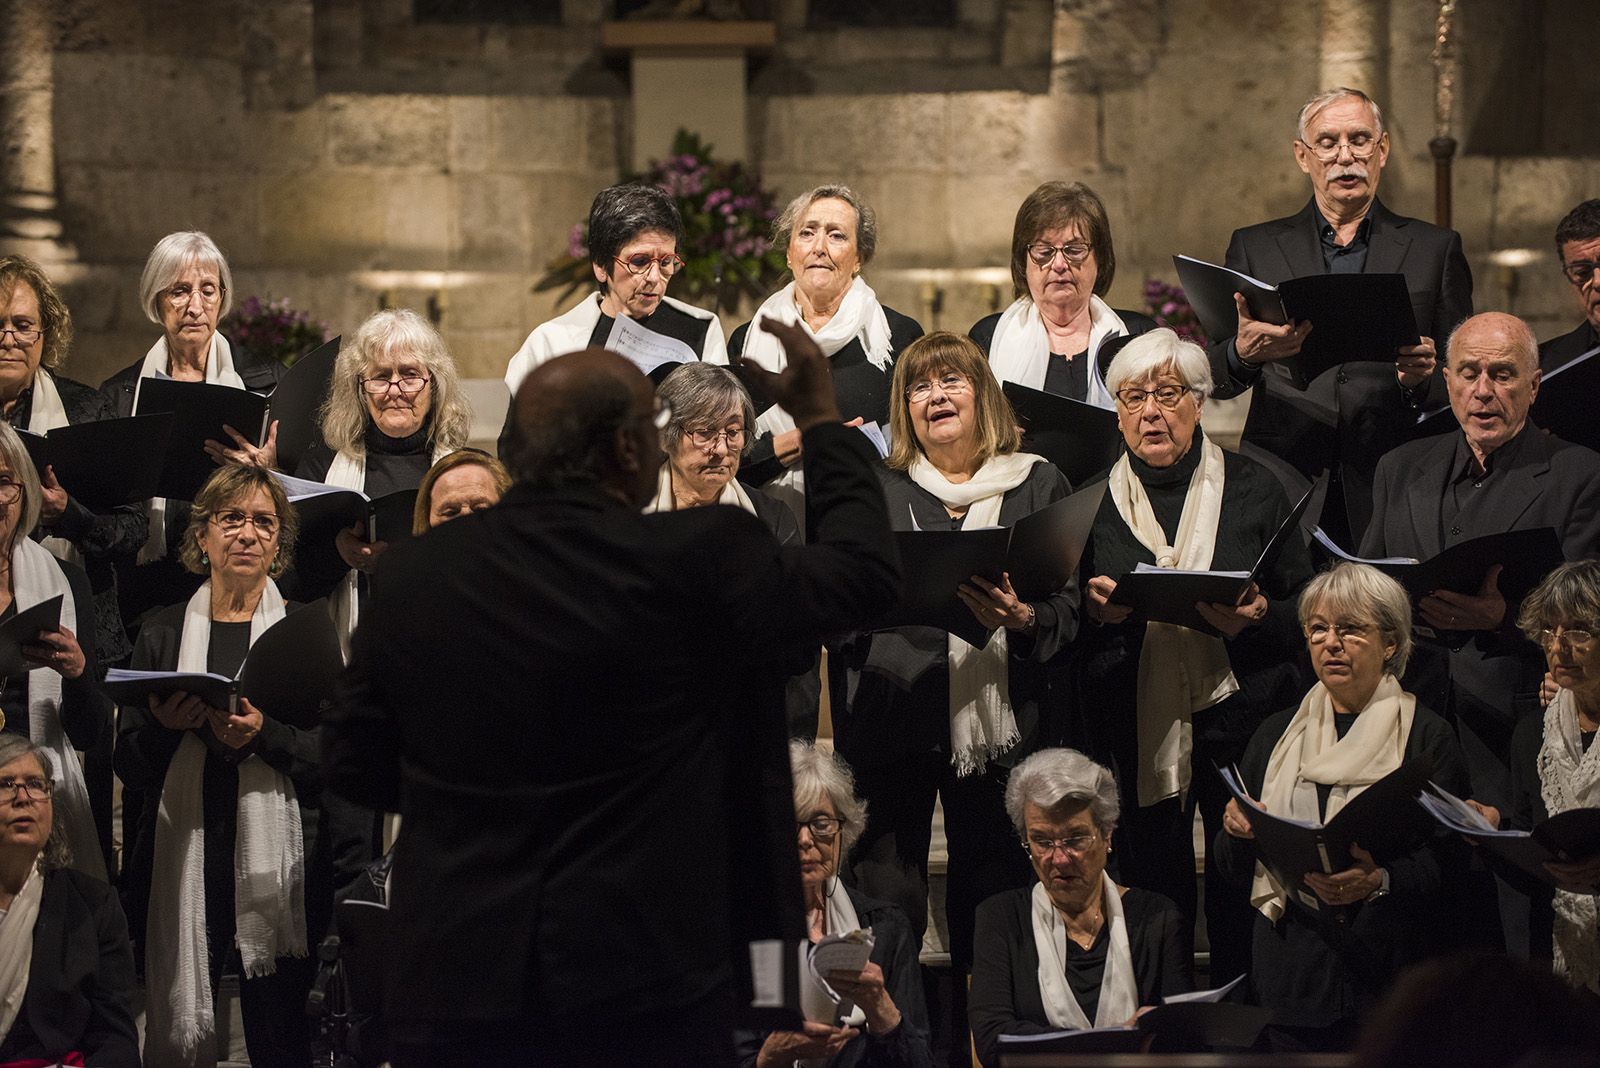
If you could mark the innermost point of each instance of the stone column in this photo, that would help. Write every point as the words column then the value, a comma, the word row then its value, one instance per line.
column 1355, row 46
column 28, row 222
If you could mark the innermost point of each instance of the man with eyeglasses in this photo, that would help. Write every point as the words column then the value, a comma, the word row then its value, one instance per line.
column 1578, row 245
column 1350, row 418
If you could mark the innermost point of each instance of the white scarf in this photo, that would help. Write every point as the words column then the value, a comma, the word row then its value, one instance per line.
column 1119, row 991
column 1181, row 671
column 268, row 865
column 732, row 493
column 1020, row 349
column 571, row 330
column 1310, row 752
column 46, row 414
column 1570, row 778
column 219, row 372
column 981, row 723
column 36, row 577
column 16, row 948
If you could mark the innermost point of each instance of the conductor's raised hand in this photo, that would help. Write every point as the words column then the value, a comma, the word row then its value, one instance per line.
column 804, row 388
column 1261, row 342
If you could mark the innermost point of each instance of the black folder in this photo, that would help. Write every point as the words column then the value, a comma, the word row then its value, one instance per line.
column 1384, row 819
column 1365, row 317
column 1167, row 595
column 199, row 412
column 1566, row 398
column 1080, row 439
column 24, row 628
column 297, row 403
column 1041, row 553
column 1565, row 837
column 288, row 674
column 1168, row 1028
column 326, row 510
column 105, row 463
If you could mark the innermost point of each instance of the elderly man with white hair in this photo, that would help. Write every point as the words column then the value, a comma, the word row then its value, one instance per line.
column 1162, row 703
column 1342, row 145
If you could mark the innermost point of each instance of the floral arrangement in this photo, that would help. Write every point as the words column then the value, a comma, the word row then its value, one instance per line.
column 727, row 217
column 272, row 329
column 1169, row 307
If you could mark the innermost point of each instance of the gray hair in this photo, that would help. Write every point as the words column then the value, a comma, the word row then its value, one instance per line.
column 1158, row 350
column 820, row 774
column 1569, row 594
column 1310, row 108
column 701, row 394
column 14, row 455
column 1052, row 777
column 344, row 413
column 57, row 852
column 173, row 255
column 1363, row 594
column 866, row 219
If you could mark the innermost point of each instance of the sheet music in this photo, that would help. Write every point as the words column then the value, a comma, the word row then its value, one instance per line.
column 646, row 349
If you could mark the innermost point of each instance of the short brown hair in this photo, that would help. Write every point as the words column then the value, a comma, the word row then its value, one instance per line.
column 1050, row 207
column 934, row 354
column 459, row 458
column 227, row 485
column 54, row 318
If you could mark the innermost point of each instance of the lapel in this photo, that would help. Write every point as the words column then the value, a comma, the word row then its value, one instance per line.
column 1424, row 494
column 1387, row 241
column 1300, row 242
column 1524, row 481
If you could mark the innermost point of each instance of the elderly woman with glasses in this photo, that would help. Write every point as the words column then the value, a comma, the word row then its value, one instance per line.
column 1321, row 969
column 1076, row 950
column 634, row 231
column 66, row 972
column 1161, row 703
column 887, row 1026
column 1062, row 264
column 919, row 713
column 230, row 868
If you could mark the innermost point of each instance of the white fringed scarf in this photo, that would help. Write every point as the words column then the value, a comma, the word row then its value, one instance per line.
column 1310, row 752
column 219, row 372
column 1020, row 349
column 48, row 413
column 1181, row 671
column 269, row 871
column 1570, row 778
column 16, row 948
column 981, row 722
column 733, row 494
column 36, row 576
column 1119, row 990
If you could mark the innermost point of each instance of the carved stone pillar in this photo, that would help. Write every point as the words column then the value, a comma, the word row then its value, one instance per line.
column 28, row 222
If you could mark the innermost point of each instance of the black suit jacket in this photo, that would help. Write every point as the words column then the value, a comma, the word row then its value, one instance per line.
column 80, row 981
column 1349, row 419
column 1569, row 346
column 593, row 769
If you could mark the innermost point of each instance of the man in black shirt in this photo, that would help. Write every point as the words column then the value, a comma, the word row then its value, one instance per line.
column 1578, row 244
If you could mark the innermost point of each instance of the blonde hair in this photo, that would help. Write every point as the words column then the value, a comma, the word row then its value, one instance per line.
column 344, row 413
column 55, row 320
column 933, row 354
column 459, row 458
column 1363, row 593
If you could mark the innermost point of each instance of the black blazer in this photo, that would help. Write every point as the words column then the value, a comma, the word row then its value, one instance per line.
column 1368, row 410
column 80, row 982
column 624, row 676
column 1558, row 350
column 1005, row 998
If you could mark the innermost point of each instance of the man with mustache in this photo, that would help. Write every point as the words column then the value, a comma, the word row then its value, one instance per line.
column 1578, row 244
column 1350, row 418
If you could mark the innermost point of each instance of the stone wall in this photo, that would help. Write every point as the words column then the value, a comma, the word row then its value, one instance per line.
column 344, row 158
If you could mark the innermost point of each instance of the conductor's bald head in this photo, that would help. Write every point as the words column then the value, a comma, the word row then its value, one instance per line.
column 587, row 418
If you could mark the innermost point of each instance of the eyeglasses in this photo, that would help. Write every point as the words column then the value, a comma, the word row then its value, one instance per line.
column 1361, row 145
column 1076, row 846
column 406, row 384
column 640, row 263
column 950, row 383
column 822, row 828
column 10, row 492
column 705, row 439
column 34, row 786
column 1578, row 639
column 232, row 522
column 1578, row 273
column 178, row 296
column 1318, row 632
column 24, row 336
column 1168, row 397
column 1044, row 255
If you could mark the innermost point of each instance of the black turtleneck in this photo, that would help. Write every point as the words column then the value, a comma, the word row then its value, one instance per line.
column 395, row 464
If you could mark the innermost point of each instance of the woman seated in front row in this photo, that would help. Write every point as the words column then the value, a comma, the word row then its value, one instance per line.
column 66, row 971
column 1076, row 950
column 888, row 1027
column 1321, row 970
column 462, row 483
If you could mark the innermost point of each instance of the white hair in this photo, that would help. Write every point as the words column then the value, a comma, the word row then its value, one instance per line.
column 1052, row 777
column 1310, row 108
column 1158, row 350
column 173, row 255
column 820, row 774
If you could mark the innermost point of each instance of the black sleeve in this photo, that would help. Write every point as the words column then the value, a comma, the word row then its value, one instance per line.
column 1454, row 303
column 1236, row 857
column 1177, row 954
column 144, row 747
column 360, row 738
column 110, row 1037
column 85, row 712
column 1527, row 798
column 1230, row 377
column 991, row 1002
column 1420, row 873
column 907, row 1045
column 982, row 332
column 1058, row 613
